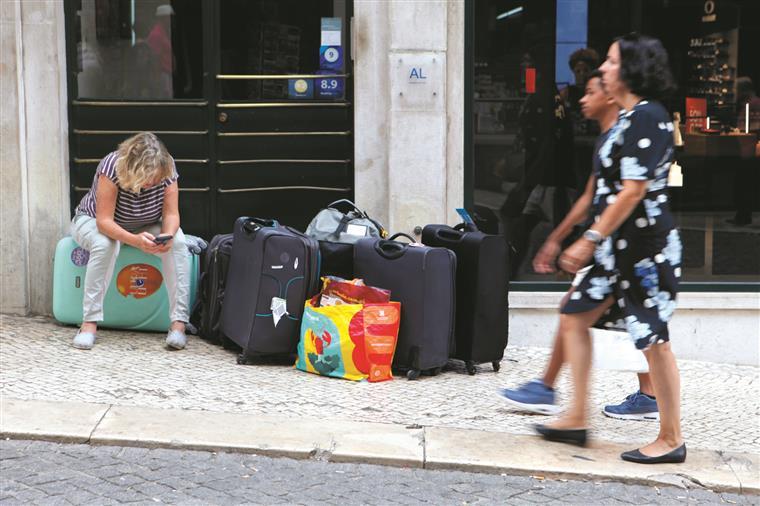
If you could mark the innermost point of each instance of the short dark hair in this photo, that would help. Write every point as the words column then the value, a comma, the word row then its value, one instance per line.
column 595, row 73
column 585, row 54
column 644, row 66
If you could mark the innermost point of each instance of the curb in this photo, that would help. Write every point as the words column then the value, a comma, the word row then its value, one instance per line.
column 368, row 443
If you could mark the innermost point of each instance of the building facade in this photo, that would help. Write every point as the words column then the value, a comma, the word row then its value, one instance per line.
column 413, row 109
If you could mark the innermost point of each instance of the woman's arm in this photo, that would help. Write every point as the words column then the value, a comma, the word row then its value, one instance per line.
column 577, row 255
column 104, row 217
column 170, row 218
column 615, row 215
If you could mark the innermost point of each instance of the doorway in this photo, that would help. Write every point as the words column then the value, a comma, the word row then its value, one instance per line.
column 252, row 98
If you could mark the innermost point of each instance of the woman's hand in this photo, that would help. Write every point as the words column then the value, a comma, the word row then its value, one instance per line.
column 144, row 242
column 543, row 263
column 166, row 246
column 576, row 256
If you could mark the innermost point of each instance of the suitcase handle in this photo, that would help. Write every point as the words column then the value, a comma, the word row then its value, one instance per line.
column 401, row 234
column 448, row 235
column 390, row 249
column 252, row 225
column 467, row 227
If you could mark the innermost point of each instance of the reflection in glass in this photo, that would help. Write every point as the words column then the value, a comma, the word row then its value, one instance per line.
column 139, row 49
column 282, row 37
column 532, row 147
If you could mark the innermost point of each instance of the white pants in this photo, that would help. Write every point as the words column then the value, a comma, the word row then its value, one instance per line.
column 103, row 252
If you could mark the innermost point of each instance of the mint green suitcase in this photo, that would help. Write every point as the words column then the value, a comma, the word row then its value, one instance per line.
column 136, row 298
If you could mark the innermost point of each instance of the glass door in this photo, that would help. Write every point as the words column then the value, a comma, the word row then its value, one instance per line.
column 251, row 97
column 283, row 126
column 137, row 65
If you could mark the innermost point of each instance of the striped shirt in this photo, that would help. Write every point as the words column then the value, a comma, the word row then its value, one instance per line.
column 133, row 210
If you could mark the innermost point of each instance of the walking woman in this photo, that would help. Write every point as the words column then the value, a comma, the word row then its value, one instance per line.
column 633, row 247
column 134, row 199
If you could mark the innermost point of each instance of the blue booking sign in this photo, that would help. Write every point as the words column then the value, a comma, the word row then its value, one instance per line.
column 331, row 58
column 300, row 88
column 329, row 87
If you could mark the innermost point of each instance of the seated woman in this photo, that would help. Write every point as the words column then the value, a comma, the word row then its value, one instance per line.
column 134, row 198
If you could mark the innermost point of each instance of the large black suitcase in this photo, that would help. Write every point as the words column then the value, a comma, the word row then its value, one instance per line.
column 211, row 288
column 482, row 314
column 273, row 271
column 423, row 280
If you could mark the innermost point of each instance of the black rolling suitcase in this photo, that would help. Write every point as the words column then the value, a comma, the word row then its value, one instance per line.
column 482, row 314
column 423, row 280
column 211, row 288
column 273, row 270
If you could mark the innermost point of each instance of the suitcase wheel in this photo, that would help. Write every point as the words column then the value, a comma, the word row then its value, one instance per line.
column 242, row 360
column 470, row 366
column 412, row 374
column 496, row 365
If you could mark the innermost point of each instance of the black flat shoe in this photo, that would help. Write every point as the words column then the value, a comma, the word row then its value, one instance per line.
column 569, row 436
column 675, row 457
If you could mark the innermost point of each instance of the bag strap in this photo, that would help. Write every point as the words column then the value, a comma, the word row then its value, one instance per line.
column 347, row 203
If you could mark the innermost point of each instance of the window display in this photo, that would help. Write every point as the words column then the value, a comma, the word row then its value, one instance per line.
column 532, row 146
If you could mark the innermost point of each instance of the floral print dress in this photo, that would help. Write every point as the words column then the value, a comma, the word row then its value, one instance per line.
column 639, row 265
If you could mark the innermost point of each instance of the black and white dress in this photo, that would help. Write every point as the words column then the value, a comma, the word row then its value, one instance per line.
column 639, row 265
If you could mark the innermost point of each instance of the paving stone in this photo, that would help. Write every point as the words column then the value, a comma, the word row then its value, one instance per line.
column 133, row 368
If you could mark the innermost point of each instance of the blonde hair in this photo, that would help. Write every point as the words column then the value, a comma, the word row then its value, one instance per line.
column 143, row 160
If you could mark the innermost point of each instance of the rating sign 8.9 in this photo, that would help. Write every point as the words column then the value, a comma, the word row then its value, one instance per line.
column 330, row 87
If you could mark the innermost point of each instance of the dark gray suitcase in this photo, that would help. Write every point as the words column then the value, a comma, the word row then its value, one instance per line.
column 482, row 314
column 423, row 280
column 207, row 314
column 268, row 262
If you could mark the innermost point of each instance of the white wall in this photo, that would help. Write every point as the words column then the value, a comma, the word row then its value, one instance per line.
column 35, row 186
column 14, row 293
column 409, row 139
column 714, row 327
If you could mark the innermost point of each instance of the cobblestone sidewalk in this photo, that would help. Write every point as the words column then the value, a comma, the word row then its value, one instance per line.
column 721, row 404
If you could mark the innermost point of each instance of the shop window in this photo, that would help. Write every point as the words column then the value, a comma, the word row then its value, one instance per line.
column 139, row 49
column 532, row 147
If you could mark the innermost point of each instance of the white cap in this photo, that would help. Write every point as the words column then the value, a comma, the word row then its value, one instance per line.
column 164, row 10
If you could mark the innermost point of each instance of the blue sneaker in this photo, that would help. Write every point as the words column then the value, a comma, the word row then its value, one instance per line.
column 636, row 406
column 534, row 397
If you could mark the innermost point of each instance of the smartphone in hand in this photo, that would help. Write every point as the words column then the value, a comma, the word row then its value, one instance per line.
column 162, row 239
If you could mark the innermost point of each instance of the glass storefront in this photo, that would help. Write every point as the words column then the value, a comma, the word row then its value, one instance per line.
column 532, row 147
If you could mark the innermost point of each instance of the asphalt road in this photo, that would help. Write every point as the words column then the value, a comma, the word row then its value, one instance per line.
column 35, row 472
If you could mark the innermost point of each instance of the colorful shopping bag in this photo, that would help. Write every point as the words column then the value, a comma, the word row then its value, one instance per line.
column 351, row 341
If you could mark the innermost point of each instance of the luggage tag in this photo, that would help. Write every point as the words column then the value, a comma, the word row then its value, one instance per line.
column 465, row 215
column 279, row 309
column 357, row 230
